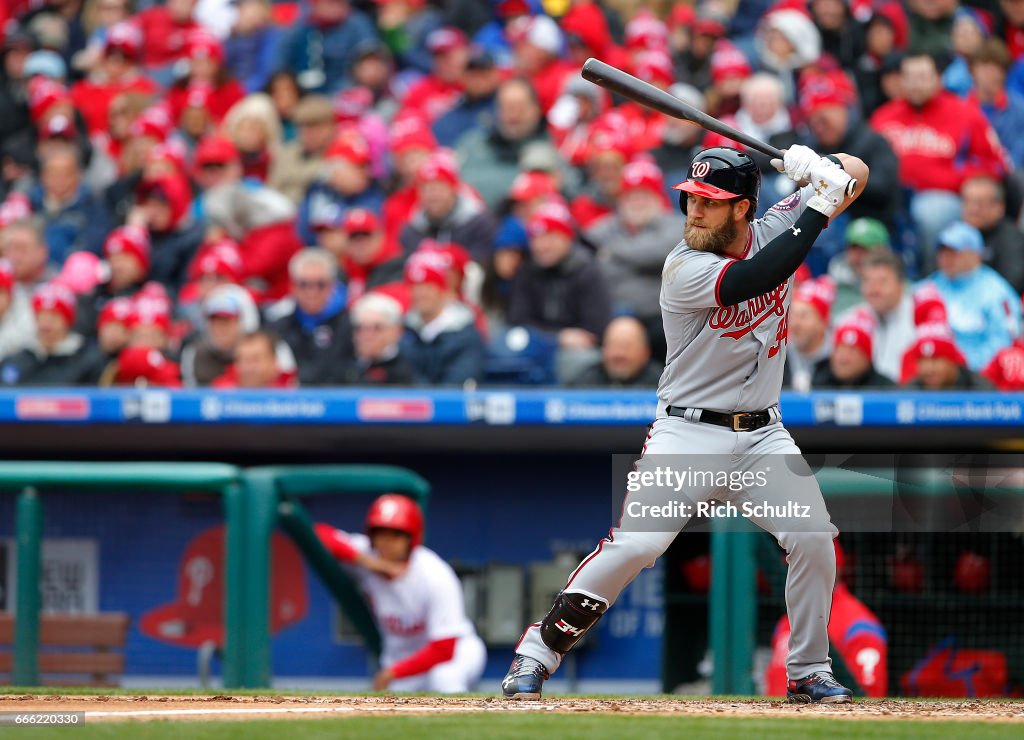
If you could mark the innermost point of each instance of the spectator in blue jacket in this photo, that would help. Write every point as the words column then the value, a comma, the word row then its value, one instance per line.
column 251, row 49
column 346, row 184
column 320, row 48
column 983, row 309
column 441, row 341
column 1002, row 104
column 475, row 109
column 74, row 219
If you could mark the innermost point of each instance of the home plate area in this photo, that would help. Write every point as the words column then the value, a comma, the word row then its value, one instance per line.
column 128, row 708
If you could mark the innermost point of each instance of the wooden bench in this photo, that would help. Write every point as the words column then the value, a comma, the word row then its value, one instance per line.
column 93, row 648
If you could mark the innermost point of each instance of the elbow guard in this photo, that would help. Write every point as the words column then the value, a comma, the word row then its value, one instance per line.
column 570, row 618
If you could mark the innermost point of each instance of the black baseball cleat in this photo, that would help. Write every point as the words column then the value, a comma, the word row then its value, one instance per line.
column 820, row 687
column 524, row 679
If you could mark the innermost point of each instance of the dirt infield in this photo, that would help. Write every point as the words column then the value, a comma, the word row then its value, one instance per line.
column 157, row 707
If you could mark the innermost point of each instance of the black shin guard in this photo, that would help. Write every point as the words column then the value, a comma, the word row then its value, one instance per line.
column 571, row 616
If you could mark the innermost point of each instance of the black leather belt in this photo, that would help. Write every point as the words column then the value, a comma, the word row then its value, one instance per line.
column 741, row 421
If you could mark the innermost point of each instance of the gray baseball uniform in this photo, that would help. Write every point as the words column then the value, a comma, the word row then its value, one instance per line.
column 725, row 359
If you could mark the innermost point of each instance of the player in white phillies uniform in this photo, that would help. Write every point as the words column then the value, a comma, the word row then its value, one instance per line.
column 429, row 643
column 726, row 290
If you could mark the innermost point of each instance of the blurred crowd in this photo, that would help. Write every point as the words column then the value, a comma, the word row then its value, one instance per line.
column 253, row 194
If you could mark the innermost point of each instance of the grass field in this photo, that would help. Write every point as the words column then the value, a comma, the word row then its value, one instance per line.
column 188, row 715
column 561, row 726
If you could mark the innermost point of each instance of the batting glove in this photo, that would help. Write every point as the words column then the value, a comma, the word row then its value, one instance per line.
column 831, row 186
column 798, row 162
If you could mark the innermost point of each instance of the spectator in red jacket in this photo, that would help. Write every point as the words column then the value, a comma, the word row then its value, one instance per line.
column 262, row 221
column 255, row 365
column 165, row 32
column 1006, row 370
column 370, row 260
column 435, row 94
column 538, row 47
column 118, row 72
column 205, row 56
column 940, row 140
column 412, row 142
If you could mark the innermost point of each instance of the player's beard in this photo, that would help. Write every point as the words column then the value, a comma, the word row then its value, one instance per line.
column 711, row 240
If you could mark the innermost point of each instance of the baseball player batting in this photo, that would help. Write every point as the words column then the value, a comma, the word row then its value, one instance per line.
column 725, row 295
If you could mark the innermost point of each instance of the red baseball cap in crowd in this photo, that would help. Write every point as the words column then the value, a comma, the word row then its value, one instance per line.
column 148, row 364
column 854, row 333
column 682, row 15
column 512, row 8
column 198, row 95
column 645, row 31
column 530, row 185
column 427, row 266
column 728, row 61
column 441, row 165
column 643, row 175
column 150, row 312
column 116, row 311
column 936, row 340
column 445, row 39
column 709, row 25
column 819, row 293
column 55, row 297
column 654, row 67
column 551, row 217
column 351, row 147
column 43, row 94
column 202, row 44
column 360, row 221
column 124, row 37
column 154, row 122
column 822, row 90
column 215, row 149
column 6, row 274
column 133, row 240
column 221, row 257
column 411, row 132
column 929, row 306
column 172, row 151
column 59, row 127
column 352, row 104
column 196, row 616
column 456, row 257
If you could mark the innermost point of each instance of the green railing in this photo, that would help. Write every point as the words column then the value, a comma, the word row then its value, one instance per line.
column 32, row 478
column 255, row 502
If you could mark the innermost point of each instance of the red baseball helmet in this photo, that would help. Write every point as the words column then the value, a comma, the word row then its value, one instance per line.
column 392, row 511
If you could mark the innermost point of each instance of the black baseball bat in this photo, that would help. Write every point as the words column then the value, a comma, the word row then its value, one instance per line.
column 628, row 86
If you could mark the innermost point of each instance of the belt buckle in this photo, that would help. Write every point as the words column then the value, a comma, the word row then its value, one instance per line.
column 737, row 422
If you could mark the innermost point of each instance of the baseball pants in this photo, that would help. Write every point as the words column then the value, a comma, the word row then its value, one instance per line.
column 620, row 556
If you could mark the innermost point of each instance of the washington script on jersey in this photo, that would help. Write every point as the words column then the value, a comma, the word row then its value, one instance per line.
column 746, row 317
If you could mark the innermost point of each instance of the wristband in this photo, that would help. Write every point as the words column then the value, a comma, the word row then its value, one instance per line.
column 834, row 158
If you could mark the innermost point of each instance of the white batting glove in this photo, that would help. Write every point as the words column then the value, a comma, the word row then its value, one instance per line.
column 797, row 163
column 831, row 186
